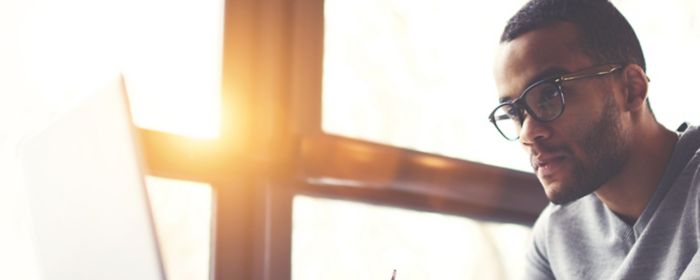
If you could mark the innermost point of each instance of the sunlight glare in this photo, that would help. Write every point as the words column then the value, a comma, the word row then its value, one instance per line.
column 173, row 67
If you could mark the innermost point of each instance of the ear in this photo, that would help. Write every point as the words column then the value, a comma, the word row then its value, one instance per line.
column 635, row 85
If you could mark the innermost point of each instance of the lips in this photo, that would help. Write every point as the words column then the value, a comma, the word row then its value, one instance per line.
column 547, row 164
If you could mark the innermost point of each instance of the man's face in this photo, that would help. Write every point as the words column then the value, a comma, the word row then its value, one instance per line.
column 587, row 145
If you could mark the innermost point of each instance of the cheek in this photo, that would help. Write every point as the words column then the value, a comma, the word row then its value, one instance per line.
column 577, row 131
column 572, row 125
column 581, row 115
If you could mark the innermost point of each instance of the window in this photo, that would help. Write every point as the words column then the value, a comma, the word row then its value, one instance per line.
column 350, row 240
column 172, row 64
column 406, row 74
column 416, row 75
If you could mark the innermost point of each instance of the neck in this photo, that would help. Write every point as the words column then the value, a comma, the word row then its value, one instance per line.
column 628, row 193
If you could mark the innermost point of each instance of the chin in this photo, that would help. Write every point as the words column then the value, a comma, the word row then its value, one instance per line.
column 562, row 194
column 559, row 199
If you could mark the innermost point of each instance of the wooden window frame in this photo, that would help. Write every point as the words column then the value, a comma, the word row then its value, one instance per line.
column 271, row 148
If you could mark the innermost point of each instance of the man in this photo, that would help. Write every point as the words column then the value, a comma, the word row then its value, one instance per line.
column 625, row 190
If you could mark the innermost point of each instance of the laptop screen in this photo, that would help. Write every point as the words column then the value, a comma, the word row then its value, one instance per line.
column 89, row 207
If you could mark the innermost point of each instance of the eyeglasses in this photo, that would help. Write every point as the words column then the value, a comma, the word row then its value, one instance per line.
column 543, row 101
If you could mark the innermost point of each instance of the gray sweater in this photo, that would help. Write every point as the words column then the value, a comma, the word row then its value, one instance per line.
column 585, row 240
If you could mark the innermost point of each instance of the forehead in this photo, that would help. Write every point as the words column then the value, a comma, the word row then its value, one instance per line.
column 535, row 55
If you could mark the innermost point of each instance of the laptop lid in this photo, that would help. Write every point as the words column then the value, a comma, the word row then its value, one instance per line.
column 90, row 213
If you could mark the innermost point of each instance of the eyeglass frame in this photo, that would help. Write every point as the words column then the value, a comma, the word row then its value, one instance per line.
column 522, row 106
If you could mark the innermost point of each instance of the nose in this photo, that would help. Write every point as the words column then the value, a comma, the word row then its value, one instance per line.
column 533, row 131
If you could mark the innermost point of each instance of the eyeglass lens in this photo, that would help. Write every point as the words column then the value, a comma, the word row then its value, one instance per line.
column 544, row 101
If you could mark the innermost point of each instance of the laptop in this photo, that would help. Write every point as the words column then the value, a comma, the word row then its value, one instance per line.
column 90, row 212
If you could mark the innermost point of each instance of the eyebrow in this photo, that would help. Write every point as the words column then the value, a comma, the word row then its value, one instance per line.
column 547, row 73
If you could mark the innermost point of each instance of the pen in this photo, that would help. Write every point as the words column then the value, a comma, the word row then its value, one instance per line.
column 393, row 275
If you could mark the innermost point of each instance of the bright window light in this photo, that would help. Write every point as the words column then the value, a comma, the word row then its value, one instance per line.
column 350, row 240
column 172, row 65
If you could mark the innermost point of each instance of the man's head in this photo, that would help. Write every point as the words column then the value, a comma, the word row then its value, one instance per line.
column 605, row 34
column 578, row 129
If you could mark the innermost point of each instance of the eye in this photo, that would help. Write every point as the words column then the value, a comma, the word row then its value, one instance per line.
column 548, row 94
column 508, row 119
column 510, row 113
column 545, row 101
column 513, row 112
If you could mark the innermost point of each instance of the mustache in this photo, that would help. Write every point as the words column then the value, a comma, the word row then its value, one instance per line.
column 542, row 148
column 538, row 149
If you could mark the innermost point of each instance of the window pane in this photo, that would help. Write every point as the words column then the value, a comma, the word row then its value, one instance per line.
column 349, row 240
column 172, row 64
column 183, row 213
column 418, row 74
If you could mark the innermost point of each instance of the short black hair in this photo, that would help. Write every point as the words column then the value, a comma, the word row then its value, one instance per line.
column 605, row 34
